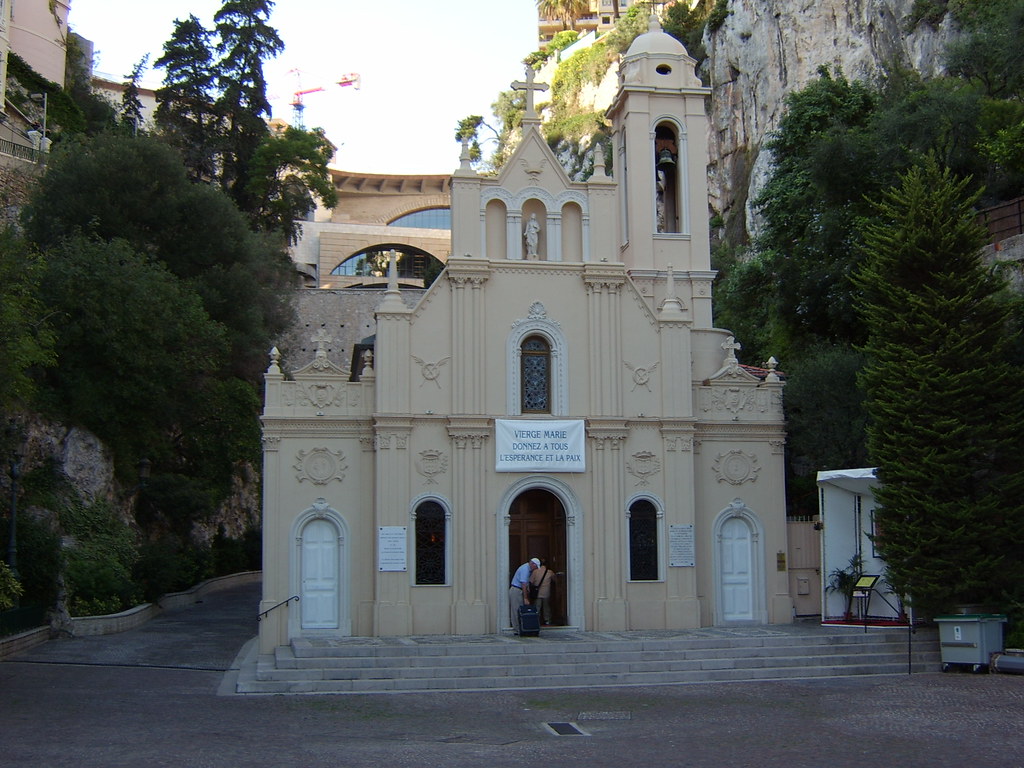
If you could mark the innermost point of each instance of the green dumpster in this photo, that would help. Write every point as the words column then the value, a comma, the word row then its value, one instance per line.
column 970, row 639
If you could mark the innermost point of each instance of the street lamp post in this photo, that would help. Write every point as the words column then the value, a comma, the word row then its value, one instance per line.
column 12, row 529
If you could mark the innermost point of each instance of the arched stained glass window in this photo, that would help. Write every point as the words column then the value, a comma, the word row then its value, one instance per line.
column 535, row 366
column 431, row 531
column 643, row 541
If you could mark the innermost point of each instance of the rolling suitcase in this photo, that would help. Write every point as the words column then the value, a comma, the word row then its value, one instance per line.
column 529, row 621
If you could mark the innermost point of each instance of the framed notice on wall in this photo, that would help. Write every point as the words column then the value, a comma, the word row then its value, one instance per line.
column 681, row 547
column 391, row 548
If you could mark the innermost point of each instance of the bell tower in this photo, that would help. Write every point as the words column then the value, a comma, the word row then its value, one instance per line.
column 661, row 158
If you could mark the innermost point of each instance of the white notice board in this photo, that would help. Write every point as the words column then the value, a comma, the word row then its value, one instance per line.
column 681, row 546
column 391, row 548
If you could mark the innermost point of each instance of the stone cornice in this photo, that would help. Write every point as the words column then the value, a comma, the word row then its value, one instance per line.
column 759, row 431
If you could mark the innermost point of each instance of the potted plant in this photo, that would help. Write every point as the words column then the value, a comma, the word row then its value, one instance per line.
column 844, row 580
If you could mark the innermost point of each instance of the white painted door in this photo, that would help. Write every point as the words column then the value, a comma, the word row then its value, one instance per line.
column 737, row 576
column 320, row 569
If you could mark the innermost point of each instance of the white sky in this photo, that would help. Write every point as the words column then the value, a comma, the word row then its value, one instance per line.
column 424, row 66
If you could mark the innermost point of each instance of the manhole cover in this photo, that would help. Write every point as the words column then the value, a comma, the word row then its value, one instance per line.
column 566, row 729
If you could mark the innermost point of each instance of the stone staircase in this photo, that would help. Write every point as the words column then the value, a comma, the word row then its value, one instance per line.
column 562, row 658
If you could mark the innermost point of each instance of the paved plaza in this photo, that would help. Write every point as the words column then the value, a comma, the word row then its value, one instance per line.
column 161, row 695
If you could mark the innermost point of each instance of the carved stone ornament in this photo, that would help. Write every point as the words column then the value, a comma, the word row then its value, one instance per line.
column 643, row 465
column 431, row 463
column 430, row 371
column 320, row 466
column 318, row 395
column 321, row 339
column 736, row 467
column 735, row 400
column 642, row 375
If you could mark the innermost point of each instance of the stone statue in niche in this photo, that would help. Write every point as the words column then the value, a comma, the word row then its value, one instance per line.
column 531, row 232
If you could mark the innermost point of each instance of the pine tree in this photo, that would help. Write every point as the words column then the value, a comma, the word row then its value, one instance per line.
column 246, row 41
column 130, row 116
column 944, row 402
column 185, row 110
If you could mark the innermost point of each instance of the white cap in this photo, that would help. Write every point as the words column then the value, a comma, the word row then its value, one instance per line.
column 535, row 561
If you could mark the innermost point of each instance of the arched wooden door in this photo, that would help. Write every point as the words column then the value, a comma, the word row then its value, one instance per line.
column 536, row 528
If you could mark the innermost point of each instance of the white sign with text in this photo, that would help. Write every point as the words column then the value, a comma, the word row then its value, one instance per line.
column 539, row 446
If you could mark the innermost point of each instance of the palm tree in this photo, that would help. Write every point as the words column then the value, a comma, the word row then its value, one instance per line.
column 568, row 11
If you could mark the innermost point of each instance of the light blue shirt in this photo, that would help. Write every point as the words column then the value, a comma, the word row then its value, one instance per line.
column 522, row 576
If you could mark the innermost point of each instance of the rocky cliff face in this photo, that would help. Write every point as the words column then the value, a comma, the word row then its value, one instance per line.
column 79, row 459
column 769, row 48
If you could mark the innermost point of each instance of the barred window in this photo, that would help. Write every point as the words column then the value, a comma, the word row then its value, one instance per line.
column 430, row 543
column 643, row 541
column 535, row 366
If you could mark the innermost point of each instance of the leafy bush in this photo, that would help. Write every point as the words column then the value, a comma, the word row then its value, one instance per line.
column 231, row 555
column 718, row 15
column 173, row 503
column 99, row 559
column 10, row 588
column 39, row 560
column 167, row 565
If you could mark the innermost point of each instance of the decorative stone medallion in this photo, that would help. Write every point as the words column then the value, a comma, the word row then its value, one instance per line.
column 736, row 467
column 320, row 466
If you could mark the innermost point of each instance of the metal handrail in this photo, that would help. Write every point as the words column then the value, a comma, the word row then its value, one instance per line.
column 13, row 149
column 283, row 602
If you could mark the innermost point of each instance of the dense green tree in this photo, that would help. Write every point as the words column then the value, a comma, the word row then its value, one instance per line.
column 26, row 337
column 825, row 419
column 944, row 402
column 288, row 171
column 825, row 160
column 185, row 112
column 136, row 189
column 245, row 41
column 988, row 52
column 134, row 347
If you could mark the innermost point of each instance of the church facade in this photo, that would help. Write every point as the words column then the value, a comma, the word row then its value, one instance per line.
column 559, row 392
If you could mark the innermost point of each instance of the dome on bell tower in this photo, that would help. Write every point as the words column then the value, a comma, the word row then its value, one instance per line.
column 656, row 42
column 658, row 60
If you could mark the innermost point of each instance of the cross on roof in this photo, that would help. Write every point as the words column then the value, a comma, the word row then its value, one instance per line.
column 529, row 86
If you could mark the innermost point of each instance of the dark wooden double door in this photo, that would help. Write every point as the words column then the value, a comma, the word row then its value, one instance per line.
column 536, row 528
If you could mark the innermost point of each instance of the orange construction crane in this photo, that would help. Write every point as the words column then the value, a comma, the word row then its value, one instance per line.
column 298, row 106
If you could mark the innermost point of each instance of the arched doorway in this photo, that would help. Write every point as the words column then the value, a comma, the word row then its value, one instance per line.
column 319, row 568
column 739, row 567
column 537, row 528
column 737, row 575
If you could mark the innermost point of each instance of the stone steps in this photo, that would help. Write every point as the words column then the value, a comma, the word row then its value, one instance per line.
column 568, row 659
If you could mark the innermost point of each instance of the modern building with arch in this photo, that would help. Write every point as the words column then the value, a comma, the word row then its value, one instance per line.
column 345, row 246
column 560, row 391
